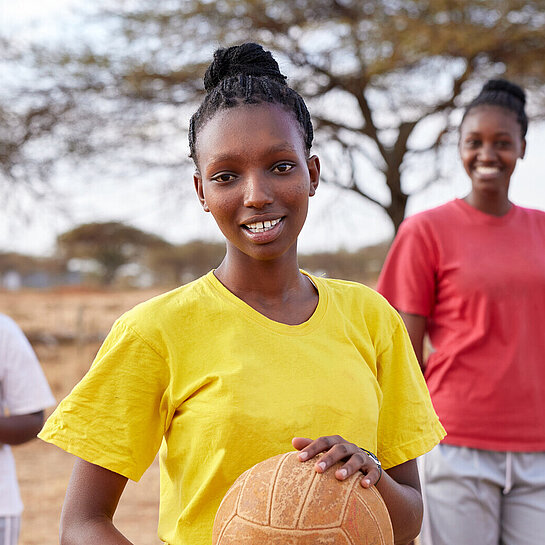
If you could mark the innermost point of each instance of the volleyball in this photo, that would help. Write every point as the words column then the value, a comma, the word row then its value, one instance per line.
column 282, row 501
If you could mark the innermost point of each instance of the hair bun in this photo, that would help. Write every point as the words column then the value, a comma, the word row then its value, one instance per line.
column 246, row 59
column 502, row 85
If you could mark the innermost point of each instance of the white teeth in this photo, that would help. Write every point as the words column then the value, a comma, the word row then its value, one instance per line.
column 262, row 226
column 487, row 170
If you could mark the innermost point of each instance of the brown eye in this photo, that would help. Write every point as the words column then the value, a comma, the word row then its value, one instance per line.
column 283, row 167
column 223, row 177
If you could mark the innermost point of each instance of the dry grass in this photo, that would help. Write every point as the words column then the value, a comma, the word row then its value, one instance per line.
column 65, row 327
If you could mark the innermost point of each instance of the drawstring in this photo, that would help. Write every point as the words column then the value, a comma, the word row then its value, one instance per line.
column 508, row 473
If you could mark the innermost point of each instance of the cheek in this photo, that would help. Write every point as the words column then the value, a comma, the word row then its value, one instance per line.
column 298, row 191
column 465, row 158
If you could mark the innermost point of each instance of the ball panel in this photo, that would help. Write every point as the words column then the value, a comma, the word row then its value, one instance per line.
column 290, row 492
column 326, row 501
column 243, row 532
column 366, row 519
column 255, row 496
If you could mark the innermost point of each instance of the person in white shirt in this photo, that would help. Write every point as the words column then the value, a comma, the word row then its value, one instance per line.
column 24, row 394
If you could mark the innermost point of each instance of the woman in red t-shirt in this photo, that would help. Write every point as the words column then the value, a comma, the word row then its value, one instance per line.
column 470, row 275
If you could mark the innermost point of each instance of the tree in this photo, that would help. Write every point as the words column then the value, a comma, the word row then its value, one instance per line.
column 109, row 244
column 382, row 77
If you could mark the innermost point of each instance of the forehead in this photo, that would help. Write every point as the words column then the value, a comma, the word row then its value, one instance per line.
column 485, row 118
column 246, row 126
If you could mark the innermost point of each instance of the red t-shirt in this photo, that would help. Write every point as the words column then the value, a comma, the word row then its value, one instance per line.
column 480, row 281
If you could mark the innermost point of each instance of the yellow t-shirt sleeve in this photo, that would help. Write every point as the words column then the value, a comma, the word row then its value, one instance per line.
column 116, row 416
column 408, row 425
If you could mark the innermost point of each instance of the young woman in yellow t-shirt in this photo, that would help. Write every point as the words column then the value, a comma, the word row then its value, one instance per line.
column 318, row 357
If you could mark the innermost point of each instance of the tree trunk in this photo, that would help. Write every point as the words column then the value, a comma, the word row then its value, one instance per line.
column 398, row 203
column 396, row 210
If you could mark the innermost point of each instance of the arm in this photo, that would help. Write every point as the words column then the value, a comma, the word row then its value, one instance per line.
column 416, row 328
column 20, row 428
column 89, row 506
column 399, row 486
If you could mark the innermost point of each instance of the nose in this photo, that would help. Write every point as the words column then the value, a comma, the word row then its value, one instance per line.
column 487, row 152
column 257, row 192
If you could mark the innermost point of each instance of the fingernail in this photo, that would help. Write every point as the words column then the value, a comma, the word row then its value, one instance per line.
column 321, row 465
column 343, row 473
column 367, row 481
column 303, row 456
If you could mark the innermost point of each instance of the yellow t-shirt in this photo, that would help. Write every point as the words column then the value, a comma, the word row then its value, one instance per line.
column 218, row 387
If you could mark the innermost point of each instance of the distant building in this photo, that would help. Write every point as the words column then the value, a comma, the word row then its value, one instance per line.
column 20, row 271
column 11, row 280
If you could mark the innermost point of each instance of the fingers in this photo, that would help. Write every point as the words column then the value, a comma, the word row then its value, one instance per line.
column 322, row 444
column 372, row 475
column 300, row 442
column 337, row 449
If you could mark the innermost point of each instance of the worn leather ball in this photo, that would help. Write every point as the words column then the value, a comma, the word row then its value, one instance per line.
column 282, row 501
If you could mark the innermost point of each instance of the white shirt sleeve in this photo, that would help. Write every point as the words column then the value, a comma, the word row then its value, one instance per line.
column 23, row 386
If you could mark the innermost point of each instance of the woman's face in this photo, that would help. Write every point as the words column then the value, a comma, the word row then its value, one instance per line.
column 490, row 145
column 255, row 178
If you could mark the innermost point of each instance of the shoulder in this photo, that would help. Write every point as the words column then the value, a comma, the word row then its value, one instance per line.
column 169, row 315
column 166, row 305
column 345, row 288
column 360, row 301
column 11, row 334
column 7, row 325
column 432, row 218
column 531, row 214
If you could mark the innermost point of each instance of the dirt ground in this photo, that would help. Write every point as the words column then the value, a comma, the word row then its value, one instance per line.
column 66, row 328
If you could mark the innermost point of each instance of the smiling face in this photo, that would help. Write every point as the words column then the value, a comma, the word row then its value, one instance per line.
column 490, row 145
column 255, row 178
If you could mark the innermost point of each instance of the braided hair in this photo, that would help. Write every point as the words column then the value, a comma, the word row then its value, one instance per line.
column 502, row 93
column 246, row 74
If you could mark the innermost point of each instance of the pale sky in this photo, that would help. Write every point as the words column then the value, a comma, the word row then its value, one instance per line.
column 336, row 218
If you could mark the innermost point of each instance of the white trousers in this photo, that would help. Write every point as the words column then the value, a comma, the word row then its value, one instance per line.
column 9, row 530
column 481, row 497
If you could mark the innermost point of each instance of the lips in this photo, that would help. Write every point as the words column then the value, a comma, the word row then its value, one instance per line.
column 265, row 230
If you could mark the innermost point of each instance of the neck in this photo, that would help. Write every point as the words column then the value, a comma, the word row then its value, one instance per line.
column 275, row 288
column 494, row 205
column 249, row 278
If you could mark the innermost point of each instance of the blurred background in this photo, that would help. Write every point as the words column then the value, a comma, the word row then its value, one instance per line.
column 97, row 205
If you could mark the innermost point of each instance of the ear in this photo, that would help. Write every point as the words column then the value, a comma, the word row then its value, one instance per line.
column 197, row 181
column 523, row 148
column 313, row 164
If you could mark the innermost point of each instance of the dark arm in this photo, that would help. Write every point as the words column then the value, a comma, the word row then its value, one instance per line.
column 416, row 328
column 400, row 489
column 20, row 428
column 89, row 506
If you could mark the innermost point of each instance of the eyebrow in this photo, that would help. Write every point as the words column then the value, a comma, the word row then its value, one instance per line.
column 499, row 133
column 269, row 151
column 281, row 147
